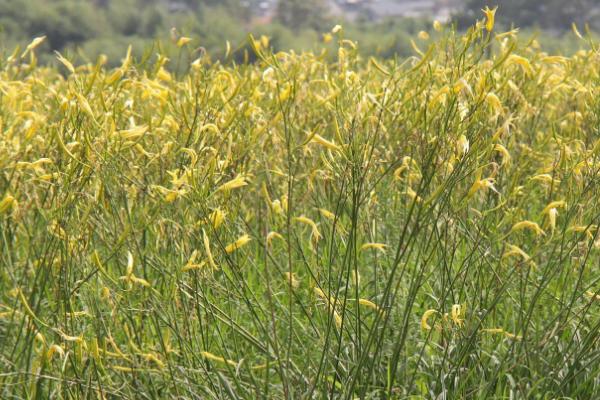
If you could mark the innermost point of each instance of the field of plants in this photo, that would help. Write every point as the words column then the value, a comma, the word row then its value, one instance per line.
column 314, row 225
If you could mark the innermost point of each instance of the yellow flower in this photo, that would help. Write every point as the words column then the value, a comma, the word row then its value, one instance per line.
column 211, row 260
column 272, row 235
column 55, row 349
column 192, row 264
column 215, row 358
column 494, row 102
column 490, row 17
column 327, row 214
column 65, row 62
column 129, row 276
column 462, row 145
column 456, row 313
column 242, row 241
column 34, row 43
column 528, row 225
column 315, row 235
column 426, row 315
column 316, row 138
column 554, row 204
column 216, row 218
column 183, row 41
column 486, row 183
column 376, row 246
column 520, row 61
column 423, row 35
column 546, row 179
column 235, row 183
column 369, row 304
column 504, row 152
column 515, row 251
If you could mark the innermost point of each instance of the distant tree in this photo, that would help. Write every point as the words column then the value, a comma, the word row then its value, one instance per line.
column 295, row 14
column 548, row 14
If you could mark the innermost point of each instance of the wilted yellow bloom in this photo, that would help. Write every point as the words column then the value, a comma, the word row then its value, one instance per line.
column 272, row 235
column 490, row 17
column 554, row 204
column 55, row 349
column 192, row 264
column 583, row 228
column 83, row 103
column 530, row 225
column 505, row 154
column 292, row 280
column 521, row 61
column 34, row 43
column 163, row 75
column 315, row 235
column 338, row 320
column 511, row 33
column 320, row 293
column 69, row 338
column 235, row 183
column 336, row 29
column 426, row 315
column 216, row 218
column 494, row 102
column 516, row 251
column 154, row 359
column 423, row 35
column 485, row 183
column 7, row 203
column 115, row 76
column 316, row 138
column 129, row 276
column 212, row 357
column 437, row 26
column 462, row 145
column 133, row 133
column 211, row 260
column 242, row 241
column 376, row 246
column 65, row 62
column 552, row 214
column 545, row 178
column 413, row 195
column 327, row 214
column 369, row 304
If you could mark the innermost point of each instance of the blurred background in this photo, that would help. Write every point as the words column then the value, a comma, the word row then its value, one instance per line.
column 84, row 29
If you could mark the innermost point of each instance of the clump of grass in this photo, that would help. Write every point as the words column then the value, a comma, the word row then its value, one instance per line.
column 300, row 228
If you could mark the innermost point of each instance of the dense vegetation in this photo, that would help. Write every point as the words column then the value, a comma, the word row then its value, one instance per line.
column 299, row 227
column 85, row 29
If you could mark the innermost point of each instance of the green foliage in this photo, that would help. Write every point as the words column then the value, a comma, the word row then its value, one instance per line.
column 302, row 13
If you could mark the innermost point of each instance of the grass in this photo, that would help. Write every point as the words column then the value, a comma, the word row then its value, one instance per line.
column 301, row 228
